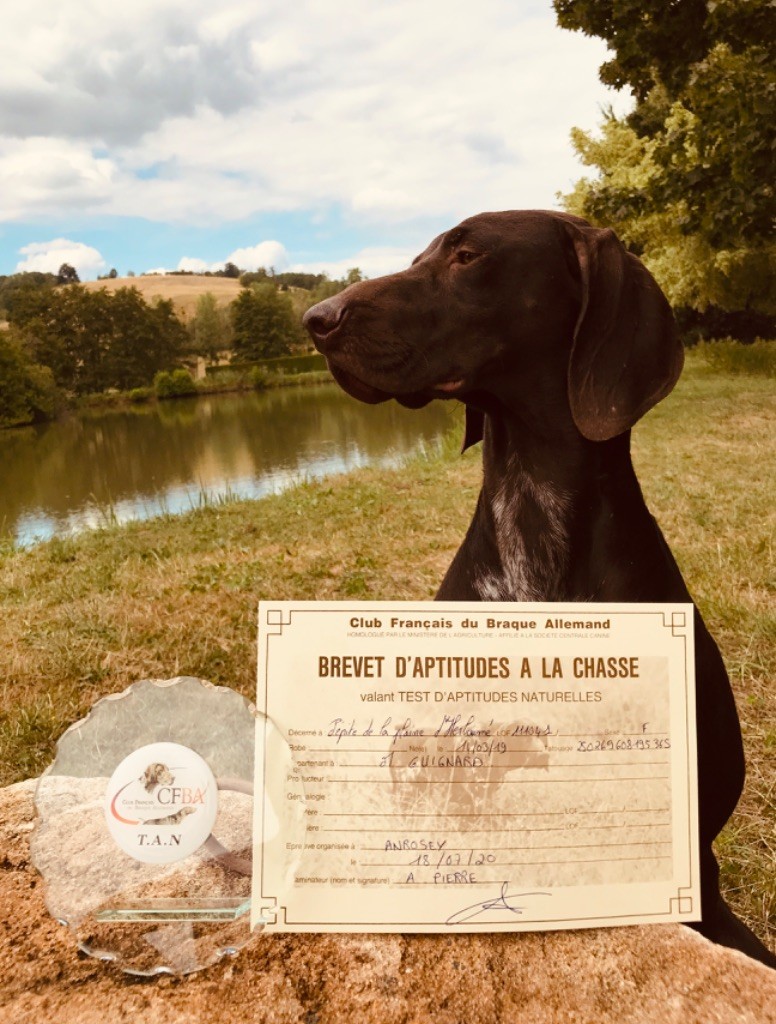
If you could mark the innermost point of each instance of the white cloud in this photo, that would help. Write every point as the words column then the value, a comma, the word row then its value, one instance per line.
column 194, row 265
column 49, row 257
column 108, row 74
column 265, row 254
column 48, row 176
column 174, row 112
column 373, row 261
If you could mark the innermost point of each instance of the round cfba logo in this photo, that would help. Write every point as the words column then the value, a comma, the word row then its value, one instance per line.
column 161, row 803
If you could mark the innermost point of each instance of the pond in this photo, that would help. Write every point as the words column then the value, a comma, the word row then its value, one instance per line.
column 96, row 468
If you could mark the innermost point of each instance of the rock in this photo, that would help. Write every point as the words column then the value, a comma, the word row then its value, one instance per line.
column 663, row 974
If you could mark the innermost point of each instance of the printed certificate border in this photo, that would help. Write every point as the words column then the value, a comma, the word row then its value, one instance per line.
column 678, row 618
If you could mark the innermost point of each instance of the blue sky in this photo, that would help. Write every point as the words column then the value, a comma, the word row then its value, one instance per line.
column 157, row 135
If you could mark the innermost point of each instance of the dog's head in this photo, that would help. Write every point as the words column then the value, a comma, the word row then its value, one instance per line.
column 504, row 307
column 156, row 774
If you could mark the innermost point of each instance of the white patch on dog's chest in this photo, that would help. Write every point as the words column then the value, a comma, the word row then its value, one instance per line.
column 532, row 540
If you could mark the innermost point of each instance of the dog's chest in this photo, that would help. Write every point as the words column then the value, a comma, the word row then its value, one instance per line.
column 531, row 539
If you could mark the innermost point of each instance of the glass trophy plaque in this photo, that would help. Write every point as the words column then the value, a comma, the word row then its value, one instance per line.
column 144, row 824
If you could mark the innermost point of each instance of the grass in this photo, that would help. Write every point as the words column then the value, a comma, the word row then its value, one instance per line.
column 87, row 616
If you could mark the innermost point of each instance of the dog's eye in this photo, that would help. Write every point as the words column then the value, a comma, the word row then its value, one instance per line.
column 465, row 256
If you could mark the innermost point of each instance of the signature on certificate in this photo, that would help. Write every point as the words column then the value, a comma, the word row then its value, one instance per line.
column 504, row 901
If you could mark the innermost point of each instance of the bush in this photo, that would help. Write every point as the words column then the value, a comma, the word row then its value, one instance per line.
column 287, row 364
column 175, row 384
column 44, row 396
column 140, row 394
column 183, row 383
column 259, row 377
column 163, row 384
column 733, row 357
column 297, row 364
column 712, row 323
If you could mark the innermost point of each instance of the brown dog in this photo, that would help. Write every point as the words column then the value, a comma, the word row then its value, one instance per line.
column 558, row 341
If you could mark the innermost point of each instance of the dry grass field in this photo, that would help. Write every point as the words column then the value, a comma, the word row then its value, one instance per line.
column 183, row 289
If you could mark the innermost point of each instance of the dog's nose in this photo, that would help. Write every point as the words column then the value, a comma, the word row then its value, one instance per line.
column 323, row 319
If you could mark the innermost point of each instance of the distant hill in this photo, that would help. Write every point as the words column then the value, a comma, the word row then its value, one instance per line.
column 183, row 289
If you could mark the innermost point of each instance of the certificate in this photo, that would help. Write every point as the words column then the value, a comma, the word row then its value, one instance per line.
column 454, row 767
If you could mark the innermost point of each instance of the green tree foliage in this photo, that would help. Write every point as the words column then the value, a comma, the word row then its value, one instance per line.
column 15, row 288
column 93, row 340
column 299, row 279
column 67, row 274
column 326, row 288
column 210, row 327
column 27, row 390
column 691, row 270
column 231, row 270
column 68, row 330
column 254, row 277
column 687, row 176
column 144, row 339
column 264, row 323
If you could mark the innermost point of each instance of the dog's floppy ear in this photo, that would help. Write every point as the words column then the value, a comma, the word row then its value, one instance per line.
column 475, row 427
column 626, row 355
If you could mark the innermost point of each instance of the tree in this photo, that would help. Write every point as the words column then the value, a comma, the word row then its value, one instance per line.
column 68, row 330
column 231, row 270
column 144, row 339
column 325, row 288
column 94, row 340
column 210, row 327
column 27, row 390
column 690, row 270
column 17, row 288
column 253, row 277
column 687, row 175
column 264, row 323
column 67, row 274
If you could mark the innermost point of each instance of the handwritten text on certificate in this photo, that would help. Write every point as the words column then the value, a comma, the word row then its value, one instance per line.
column 431, row 767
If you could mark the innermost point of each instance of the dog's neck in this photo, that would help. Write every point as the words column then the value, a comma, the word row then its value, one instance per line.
column 528, row 571
column 548, row 501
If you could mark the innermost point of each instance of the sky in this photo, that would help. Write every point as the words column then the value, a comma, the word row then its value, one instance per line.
column 317, row 135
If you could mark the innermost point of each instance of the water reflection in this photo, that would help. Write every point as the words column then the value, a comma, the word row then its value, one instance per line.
column 139, row 462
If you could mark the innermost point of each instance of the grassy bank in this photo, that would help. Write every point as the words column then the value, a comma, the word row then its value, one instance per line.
column 85, row 617
column 225, row 383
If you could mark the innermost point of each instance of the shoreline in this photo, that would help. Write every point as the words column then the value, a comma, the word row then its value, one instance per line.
column 118, row 399
column 139, row 397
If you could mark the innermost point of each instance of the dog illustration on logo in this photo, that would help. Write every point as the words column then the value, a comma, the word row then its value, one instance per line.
column 156, row 774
